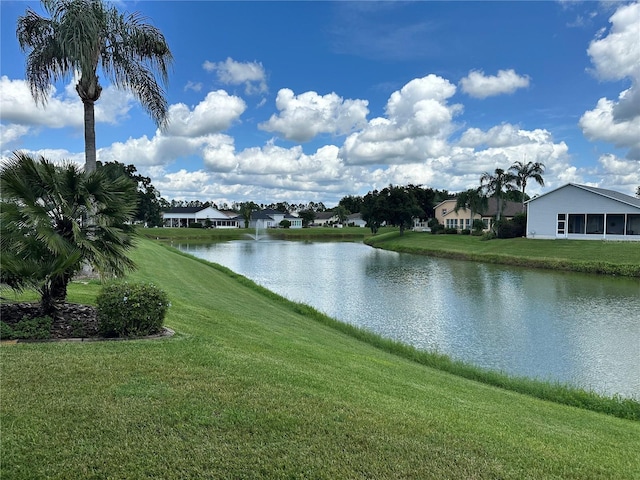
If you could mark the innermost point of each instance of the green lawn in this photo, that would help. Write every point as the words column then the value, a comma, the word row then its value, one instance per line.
column 252, row 387
column 223, row 234
column 619, row 258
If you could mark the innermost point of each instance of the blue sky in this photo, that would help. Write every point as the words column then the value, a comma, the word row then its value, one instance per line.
column 311, row 101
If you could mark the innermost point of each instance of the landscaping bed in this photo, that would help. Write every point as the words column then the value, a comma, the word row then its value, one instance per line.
column 71, row 320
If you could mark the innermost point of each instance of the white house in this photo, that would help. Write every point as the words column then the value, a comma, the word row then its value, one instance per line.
column 356, row 220
column 270, row 218
column 207, row 216
column 582, row 212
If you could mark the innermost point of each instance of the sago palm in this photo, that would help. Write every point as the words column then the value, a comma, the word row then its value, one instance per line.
column 44, row 236
column 83, row 36
column 524, row 171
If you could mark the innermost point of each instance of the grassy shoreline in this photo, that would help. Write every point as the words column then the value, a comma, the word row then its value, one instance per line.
column 598, row 257
column 255, row 386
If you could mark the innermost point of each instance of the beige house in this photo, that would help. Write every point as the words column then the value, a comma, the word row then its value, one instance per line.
column 446, row 215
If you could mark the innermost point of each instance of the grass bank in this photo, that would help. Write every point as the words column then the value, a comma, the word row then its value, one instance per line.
column 253, row 386
column 223, row 234
column 610, row 258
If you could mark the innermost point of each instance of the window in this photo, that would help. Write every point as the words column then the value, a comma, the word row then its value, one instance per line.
column 615, row 224
column 595, row 223
column 561, row 224
column 444, row 211
column 576, row 223
column 633, row 224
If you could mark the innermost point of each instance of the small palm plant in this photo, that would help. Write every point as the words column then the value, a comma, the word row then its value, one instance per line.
column 45, row 238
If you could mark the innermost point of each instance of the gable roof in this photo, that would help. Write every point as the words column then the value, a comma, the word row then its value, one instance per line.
column 185, row 209
column 268, row 214
column 510, row 209
column 603, row 192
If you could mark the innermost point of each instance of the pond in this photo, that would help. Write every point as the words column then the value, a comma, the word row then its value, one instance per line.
column 577, row 329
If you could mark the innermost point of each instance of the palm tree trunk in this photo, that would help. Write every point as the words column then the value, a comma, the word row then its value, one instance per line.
column 89, row 136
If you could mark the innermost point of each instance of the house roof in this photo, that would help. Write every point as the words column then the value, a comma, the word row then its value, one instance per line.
column 510, row 208
column 185, row 209
column 268, row 214
column 325, row 215
column 611, row 194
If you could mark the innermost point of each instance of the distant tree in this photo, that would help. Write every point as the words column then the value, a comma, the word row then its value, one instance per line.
column 352, row 203
column 495, row 185
column 341, row 213
column 307, row 216
column 82, row 36
column 638, row 192
column 525, row 171
column 246, row 209
column 373, row 210
column 44, row 236
column 150, row 203
column 472, row 200
column 401, row 207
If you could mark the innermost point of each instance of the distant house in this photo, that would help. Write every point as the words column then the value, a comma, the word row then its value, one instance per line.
column 182, row 217
column 355, row 219
column 323, row 218
column 270, row 218
column 446, row 215
column 582, row 212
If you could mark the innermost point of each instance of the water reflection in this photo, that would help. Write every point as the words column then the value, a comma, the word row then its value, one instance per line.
column 573, row 328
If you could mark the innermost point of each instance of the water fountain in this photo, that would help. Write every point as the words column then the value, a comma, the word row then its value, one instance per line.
column 256, row 236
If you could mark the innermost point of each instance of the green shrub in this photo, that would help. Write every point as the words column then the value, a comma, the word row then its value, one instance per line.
column 451, row 231
column 465, row 231
column 27, row 329
column 131, row 309
column 195, row 225
column 478, row 227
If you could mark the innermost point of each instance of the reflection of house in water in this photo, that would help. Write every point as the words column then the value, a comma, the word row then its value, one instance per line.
column 182, row 217
column 446, row 215
column 582, row 212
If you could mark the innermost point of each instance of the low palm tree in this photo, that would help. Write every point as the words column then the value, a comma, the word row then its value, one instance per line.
column 495, row 185
column 44, row 240
column 473, row 200
column 84, row 35
column 524, row 171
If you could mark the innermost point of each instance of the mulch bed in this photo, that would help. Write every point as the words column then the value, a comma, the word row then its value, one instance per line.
column 70, row 321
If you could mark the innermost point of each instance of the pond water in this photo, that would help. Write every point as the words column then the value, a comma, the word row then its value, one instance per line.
column 578, row 329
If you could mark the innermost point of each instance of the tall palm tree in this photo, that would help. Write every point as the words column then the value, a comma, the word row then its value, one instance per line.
column 44, row 241
column 495, row 185
column 473, row 200
column 83, row 36
column 524, row 171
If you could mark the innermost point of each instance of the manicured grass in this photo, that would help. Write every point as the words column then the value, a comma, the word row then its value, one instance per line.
column 223, row 234
column 592, row 256
column 253, row 387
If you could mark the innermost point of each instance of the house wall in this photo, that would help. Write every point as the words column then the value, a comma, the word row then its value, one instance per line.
column 181, row 219
column 542, row 213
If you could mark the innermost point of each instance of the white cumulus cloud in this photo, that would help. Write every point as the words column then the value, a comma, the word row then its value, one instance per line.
column 216, row 112
column 416, row 127
column 616, row 56
column 231, row 72
column 479, row 85
column 304, row 116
